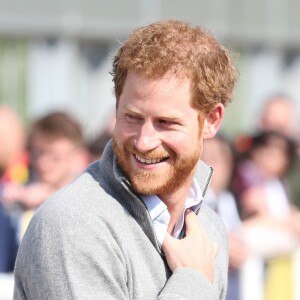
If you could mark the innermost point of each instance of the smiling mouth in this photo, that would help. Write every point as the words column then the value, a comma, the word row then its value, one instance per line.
column 150, row 161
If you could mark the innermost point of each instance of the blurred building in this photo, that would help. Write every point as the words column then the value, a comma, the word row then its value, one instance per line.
column 57, row 54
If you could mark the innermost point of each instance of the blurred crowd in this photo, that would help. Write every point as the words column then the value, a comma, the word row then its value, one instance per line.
column 35, row 163
column 254, row 189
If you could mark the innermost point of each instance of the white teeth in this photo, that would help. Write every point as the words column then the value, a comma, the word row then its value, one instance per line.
column 147, row 161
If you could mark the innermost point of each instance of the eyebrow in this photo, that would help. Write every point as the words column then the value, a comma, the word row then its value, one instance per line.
column 164, row 117
column 169, row 116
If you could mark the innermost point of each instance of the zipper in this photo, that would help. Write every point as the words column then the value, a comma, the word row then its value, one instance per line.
column 207, row 182
column 127, row 186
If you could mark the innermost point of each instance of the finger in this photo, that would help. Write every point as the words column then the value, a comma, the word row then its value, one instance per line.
column 168, row 240
column 167, row 243
column 191, row 221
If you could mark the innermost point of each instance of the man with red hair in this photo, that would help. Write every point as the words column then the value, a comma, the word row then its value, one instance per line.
column 134, row 225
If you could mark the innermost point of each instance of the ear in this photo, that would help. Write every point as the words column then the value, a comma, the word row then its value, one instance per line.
column 213, row 121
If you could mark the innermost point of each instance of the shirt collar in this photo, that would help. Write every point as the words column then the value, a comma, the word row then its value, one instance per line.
column 159, row 213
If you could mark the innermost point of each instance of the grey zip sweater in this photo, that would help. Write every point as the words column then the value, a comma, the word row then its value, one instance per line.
column 94, row 239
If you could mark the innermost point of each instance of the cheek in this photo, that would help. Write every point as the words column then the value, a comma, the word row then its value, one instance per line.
column 185, row 145
column 123, row 132
column 118, row 135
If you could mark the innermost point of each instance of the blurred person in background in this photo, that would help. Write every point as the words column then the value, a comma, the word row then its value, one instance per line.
column 58, row 149
column 260, row 183
column 58, row 156
column 271, row 225
column 13, row 156
column 218, row 153
column 279, row 114
column 9, row 241
column 97, row 145
column 13, row 170
column 134, row 225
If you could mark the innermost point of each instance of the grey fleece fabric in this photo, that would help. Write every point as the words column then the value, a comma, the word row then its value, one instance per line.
column 94, row 240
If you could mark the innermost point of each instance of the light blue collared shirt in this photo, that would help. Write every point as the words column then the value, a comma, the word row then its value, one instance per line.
column 160, row 215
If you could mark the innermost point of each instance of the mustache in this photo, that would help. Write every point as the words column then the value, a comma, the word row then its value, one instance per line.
column 151, row 154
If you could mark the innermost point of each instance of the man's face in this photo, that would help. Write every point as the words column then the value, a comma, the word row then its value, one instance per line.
column 273, row 157
column 279, row 115
column 54, row 160
column 158, row 135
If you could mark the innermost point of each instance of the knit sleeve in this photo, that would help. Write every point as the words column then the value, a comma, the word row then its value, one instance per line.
column 66, row 256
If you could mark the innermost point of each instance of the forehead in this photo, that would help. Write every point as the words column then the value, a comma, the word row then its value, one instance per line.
column 166, row 90
column 166, row 97
column 277, row 142
column 41, row 141
column 279, row 106
column 168, row 80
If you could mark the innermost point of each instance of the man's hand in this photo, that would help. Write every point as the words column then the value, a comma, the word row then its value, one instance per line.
column 194, row 251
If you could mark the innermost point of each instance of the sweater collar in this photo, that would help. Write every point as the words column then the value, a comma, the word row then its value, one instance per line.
column 111, row 173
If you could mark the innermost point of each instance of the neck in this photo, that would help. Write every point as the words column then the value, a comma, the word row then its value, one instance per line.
column 175, row 202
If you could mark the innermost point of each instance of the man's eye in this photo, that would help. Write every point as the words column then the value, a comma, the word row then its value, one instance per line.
column 132, row 118
column 167, row 122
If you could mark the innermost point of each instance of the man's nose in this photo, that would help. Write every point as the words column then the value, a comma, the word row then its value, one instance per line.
column 148, row 138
